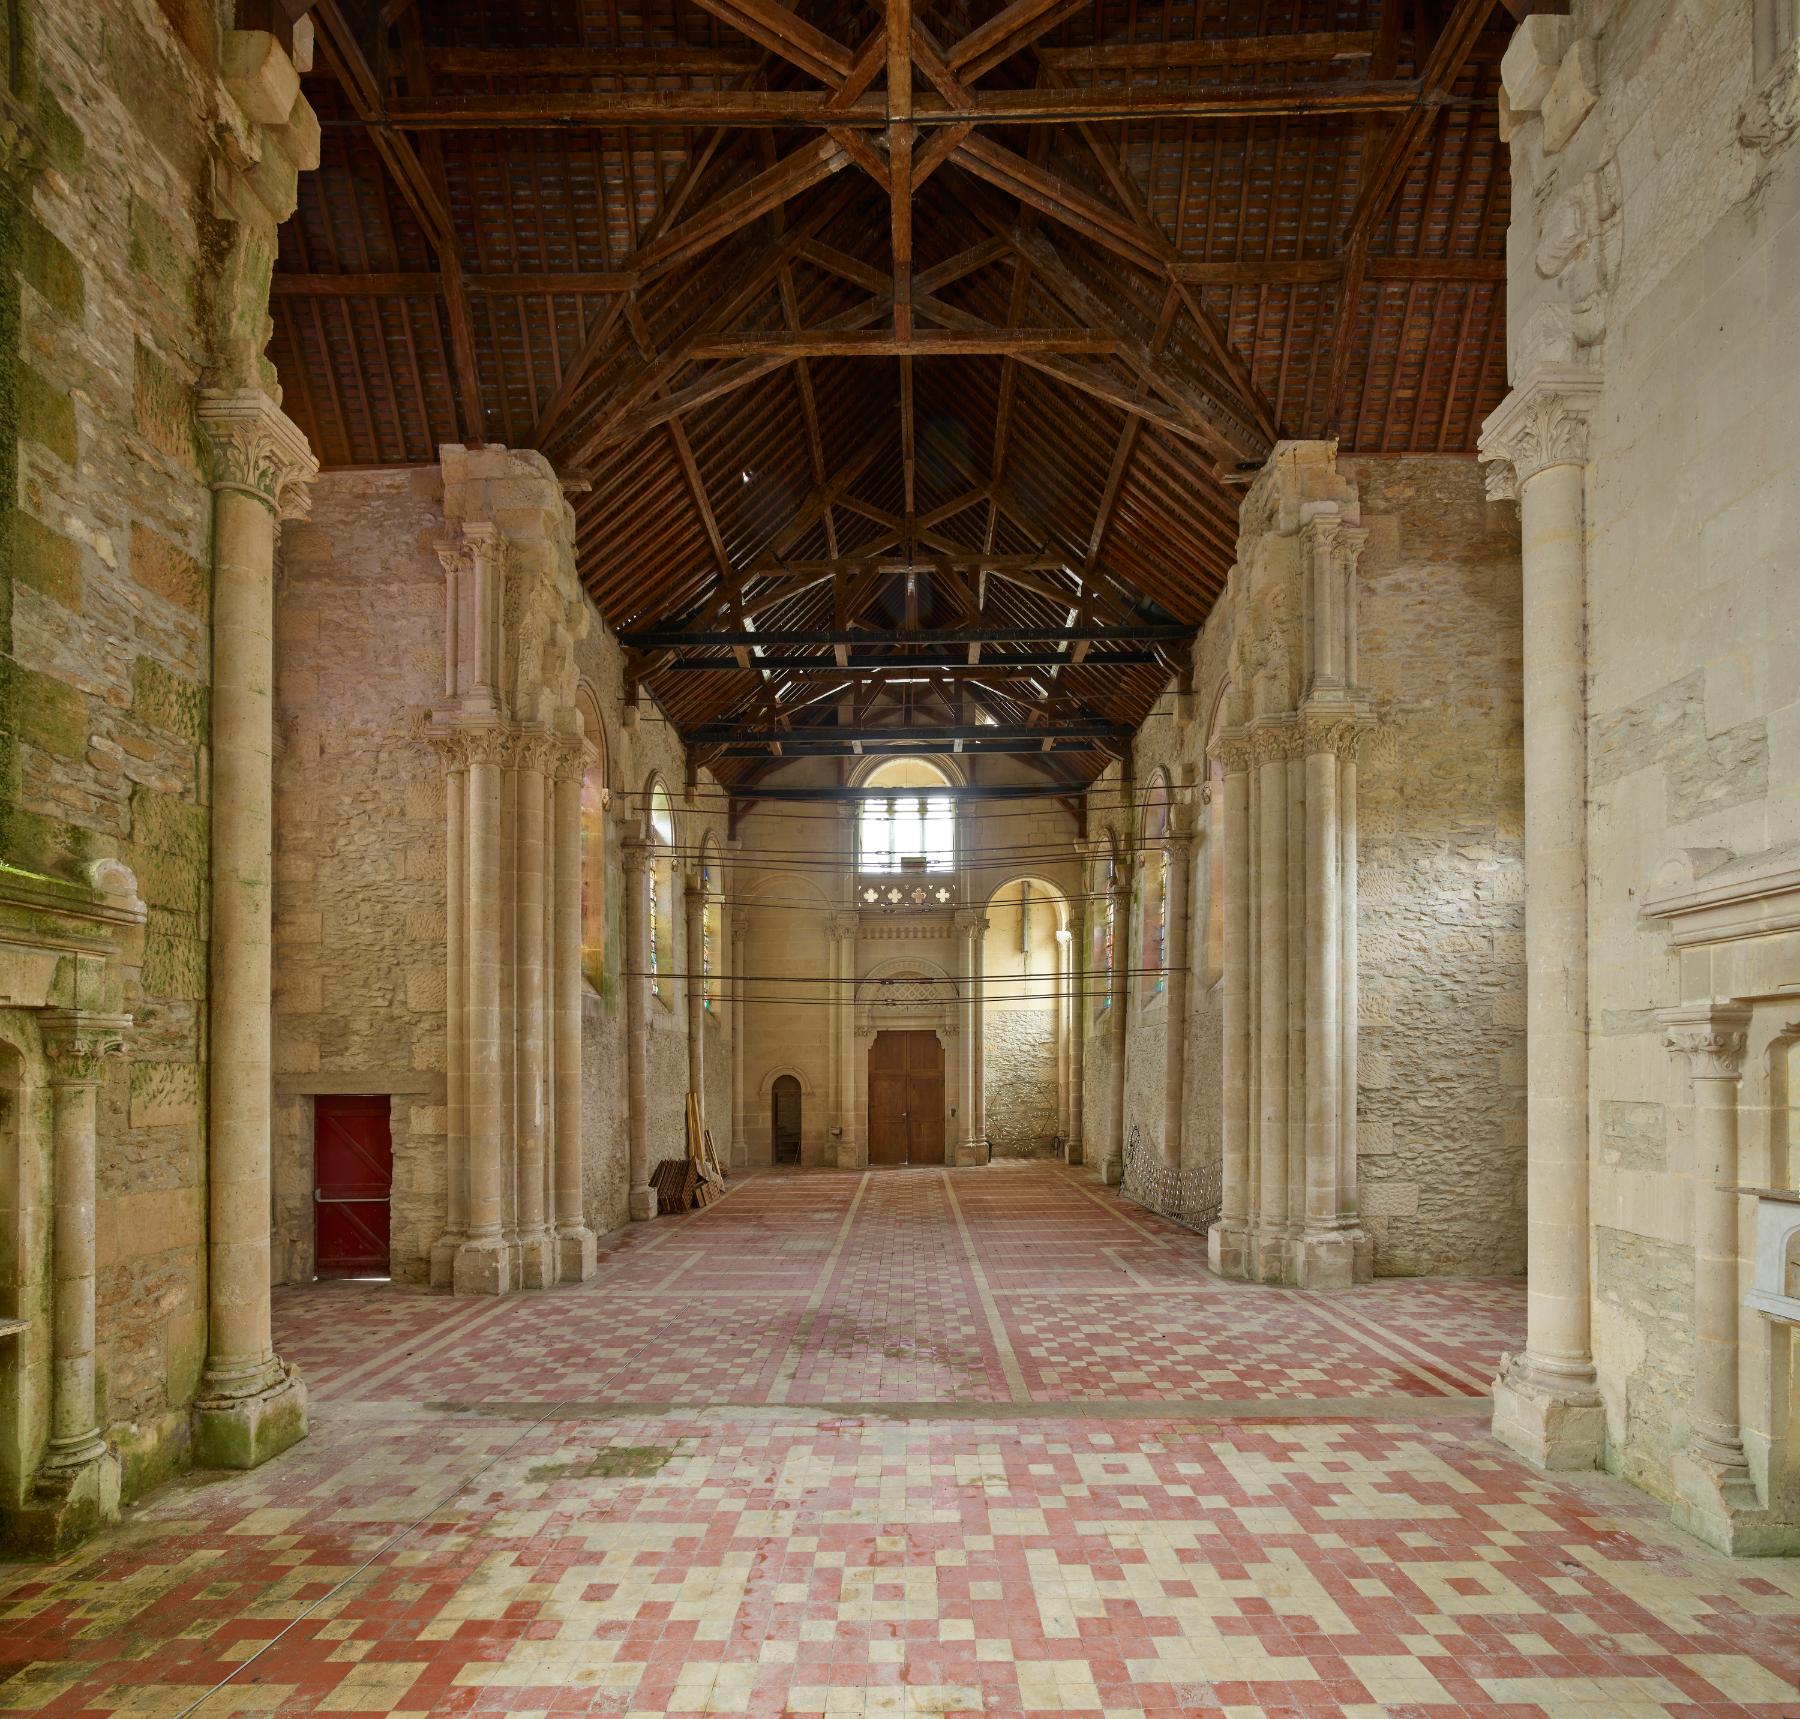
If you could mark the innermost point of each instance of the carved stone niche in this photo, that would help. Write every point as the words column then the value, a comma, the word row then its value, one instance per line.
column 69, row 950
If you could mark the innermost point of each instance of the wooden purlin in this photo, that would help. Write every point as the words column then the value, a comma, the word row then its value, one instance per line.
column 1244, row 210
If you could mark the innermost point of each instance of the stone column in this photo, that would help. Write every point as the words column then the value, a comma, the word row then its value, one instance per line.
column 852, row 1148
column 1714, row 1489
column 1228, row 1242
column 574, row 1240
column 456, row 1086
column 79, row 1478
column 483, row 1263
column 533, row 1035
column 1078, row 1025
column 638, row 858
column 1545, row 1403
column 969, row 922
column 695, row 992
column 1175, row 993
column 1270, row 1127
column 1064, row 1033
column 740, row 1141
column 978, row 1050
column 250, row 1405
column 1112, row 1166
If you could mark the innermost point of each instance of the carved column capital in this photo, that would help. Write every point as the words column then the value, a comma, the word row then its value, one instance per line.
column 253, row 447
column 76, row 1043
column 1542, row 423
column 1230, row 750
column 637, row 856
column 1712, row 1036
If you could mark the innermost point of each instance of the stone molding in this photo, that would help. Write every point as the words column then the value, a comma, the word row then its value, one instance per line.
column 1711, row 1036
column 77, row 1042
column 1542, row 423
column 256, row 449
column 637, row 857
column 1346, row 732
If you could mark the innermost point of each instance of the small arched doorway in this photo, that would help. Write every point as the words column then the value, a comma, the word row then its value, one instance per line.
column 784, row 1120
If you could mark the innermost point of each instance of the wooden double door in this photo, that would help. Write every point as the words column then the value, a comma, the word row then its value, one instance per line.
column 906, row 1099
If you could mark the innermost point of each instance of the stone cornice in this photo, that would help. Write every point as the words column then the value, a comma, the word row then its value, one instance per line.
column 256, row 449
column 1712, row 1036
column 1709, row 895
column 1542, row 423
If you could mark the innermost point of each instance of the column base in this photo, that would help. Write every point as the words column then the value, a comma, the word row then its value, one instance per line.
column 640, row 1203
column 970, row 1152
column 1333, row 1259
column 482, row 1267
column 443, row 1261
column 740, row 1154
column 851, row 1155
column 245, row 1431
column 537, row 1263
column 575, row 1255
column 1073, row 1150
column 70, row 1498
column 1716, row 1501
column 1228, row 1250
column 1551, row 1418
column 1112, row 1172
column 1271, row 1255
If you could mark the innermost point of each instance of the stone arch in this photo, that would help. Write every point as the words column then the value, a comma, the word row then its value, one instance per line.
column 792, row 1071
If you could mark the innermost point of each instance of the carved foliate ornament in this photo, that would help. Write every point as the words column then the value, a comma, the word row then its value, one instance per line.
column 253, row 447
column 1542, row 423
column 76, row 1043
column 1713, row 1038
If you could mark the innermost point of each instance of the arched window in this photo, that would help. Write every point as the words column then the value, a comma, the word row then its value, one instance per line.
column 1102, row 911
column 593, row 847
column 907, row 822
column 709, row 923
column 1156, row 885
column 662, row 888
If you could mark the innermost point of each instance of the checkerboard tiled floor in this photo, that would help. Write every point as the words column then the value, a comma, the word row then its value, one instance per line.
column 981, row 1442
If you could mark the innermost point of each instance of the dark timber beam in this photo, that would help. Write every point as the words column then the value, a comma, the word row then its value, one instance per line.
column 671, row 638
column 937, row 663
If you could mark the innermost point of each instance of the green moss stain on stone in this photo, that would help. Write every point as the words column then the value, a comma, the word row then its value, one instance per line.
column 164, row 699
column 46, row 413
column 51, row 714
column 163, row 408
column 64, row 144
column 159, row 256
column 47, row 562
column 174, row 956
column 167, row 569
column 50, row 266
column 168, row 838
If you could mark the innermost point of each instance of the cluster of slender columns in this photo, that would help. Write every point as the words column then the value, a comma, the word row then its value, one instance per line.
column 514, row 1204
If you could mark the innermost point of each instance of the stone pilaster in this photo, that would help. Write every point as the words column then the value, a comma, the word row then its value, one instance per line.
column 77, row 1484
column 250, row 1405
column 1228, row 1242
column 1546, row 1406
column 1112, row 1162
column 970, row 1148
column 1716, row 1498
column 640, row 879
column 1076, row 1013
column 1180, row 849
column 852, row 1146
column 574, row 1239
column 740, row 942
column 694, row 989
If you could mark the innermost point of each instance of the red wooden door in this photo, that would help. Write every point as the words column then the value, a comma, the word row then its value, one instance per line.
column 353, row 1176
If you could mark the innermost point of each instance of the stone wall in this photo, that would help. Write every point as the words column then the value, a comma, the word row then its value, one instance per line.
column 1441, row 1089
column 794, row 870
column 359, row 854
column 360, row 866
column 1019, row 1037
column 1654, row 242
column 110, row 289
column 1441, row 1076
